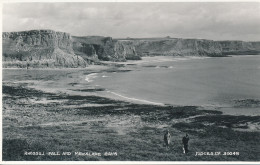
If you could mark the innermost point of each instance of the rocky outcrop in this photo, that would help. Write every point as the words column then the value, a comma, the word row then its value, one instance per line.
column 39, row 48
column 239, row 47
column 86, row 51
column 109, row 49
column 103, row 48
column 47, row 48
column 175, row 47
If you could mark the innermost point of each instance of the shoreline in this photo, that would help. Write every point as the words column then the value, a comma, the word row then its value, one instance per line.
column 112, row 67
column 145, row 59
column 135, row 100
column 107, row 64
column 139, row 103
column 58, row 121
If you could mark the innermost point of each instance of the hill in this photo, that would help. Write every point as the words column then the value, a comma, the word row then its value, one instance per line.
column 48, row 48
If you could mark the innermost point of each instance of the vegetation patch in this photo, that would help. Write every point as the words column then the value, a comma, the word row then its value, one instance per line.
column 134, row 131
column 89, row 90
column 247, row 103
column 227, row 120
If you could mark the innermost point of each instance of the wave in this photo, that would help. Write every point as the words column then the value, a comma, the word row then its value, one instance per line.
column 90, row 77
column 135, row 99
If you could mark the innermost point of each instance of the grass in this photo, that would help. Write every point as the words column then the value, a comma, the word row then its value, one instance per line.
column 134, row 131
column 213, row 138
column 228, row 120
column 247, row 103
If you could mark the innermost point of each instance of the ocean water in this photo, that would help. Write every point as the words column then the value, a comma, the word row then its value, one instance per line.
column 188, row 81
column 207, row 82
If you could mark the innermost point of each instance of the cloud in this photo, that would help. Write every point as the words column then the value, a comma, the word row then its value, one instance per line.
column 217, row 21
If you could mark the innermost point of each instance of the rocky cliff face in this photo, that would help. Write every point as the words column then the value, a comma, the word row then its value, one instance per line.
column 39, row 48
column 103, row 48
column 239, row 47
column 108, row 49
column 47, row 48
column 175, row 47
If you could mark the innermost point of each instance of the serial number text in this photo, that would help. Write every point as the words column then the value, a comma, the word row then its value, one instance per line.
column 216, row 153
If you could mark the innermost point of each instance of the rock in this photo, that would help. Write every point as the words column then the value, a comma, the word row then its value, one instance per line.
column 47, row 48
column 39, row 48
column 105, row 48
column 239, row 47
column 175, row 47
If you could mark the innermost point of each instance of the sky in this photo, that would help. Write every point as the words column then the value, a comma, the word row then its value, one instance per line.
column 205, row 20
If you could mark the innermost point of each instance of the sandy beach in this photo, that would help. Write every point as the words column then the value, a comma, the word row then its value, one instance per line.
column 66, row 110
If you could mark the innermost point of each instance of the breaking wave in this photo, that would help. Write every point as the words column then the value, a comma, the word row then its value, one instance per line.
column 90, row 77
column 134, row 99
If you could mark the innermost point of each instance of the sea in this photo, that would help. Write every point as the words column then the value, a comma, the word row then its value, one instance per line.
column 221, row 82
column 230, row 84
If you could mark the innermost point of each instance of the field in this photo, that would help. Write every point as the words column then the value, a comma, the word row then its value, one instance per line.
column 40, row 121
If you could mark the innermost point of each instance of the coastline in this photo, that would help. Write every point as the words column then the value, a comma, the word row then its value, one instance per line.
column 91, row 71
column 101, row 120
column 78, row 116
column 122, row 82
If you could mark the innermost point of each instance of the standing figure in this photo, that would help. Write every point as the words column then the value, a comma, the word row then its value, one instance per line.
column 167, row 138
column 185, row 141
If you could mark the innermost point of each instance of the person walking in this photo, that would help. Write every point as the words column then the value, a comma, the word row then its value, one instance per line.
column 185, row 141
column 167, row 139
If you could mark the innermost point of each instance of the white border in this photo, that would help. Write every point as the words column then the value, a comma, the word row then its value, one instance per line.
column 124, row 162
column 105, row 162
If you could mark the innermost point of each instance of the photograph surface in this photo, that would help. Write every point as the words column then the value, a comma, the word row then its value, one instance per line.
column 133, row 81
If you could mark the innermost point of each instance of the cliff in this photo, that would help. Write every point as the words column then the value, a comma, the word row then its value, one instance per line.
column 39, row 48
column 175, row 47
column 103, row 48
column 239, row 47
column 47, row 48
column 108, row 49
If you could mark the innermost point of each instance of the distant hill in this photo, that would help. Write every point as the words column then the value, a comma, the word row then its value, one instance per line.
column 48, row 48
